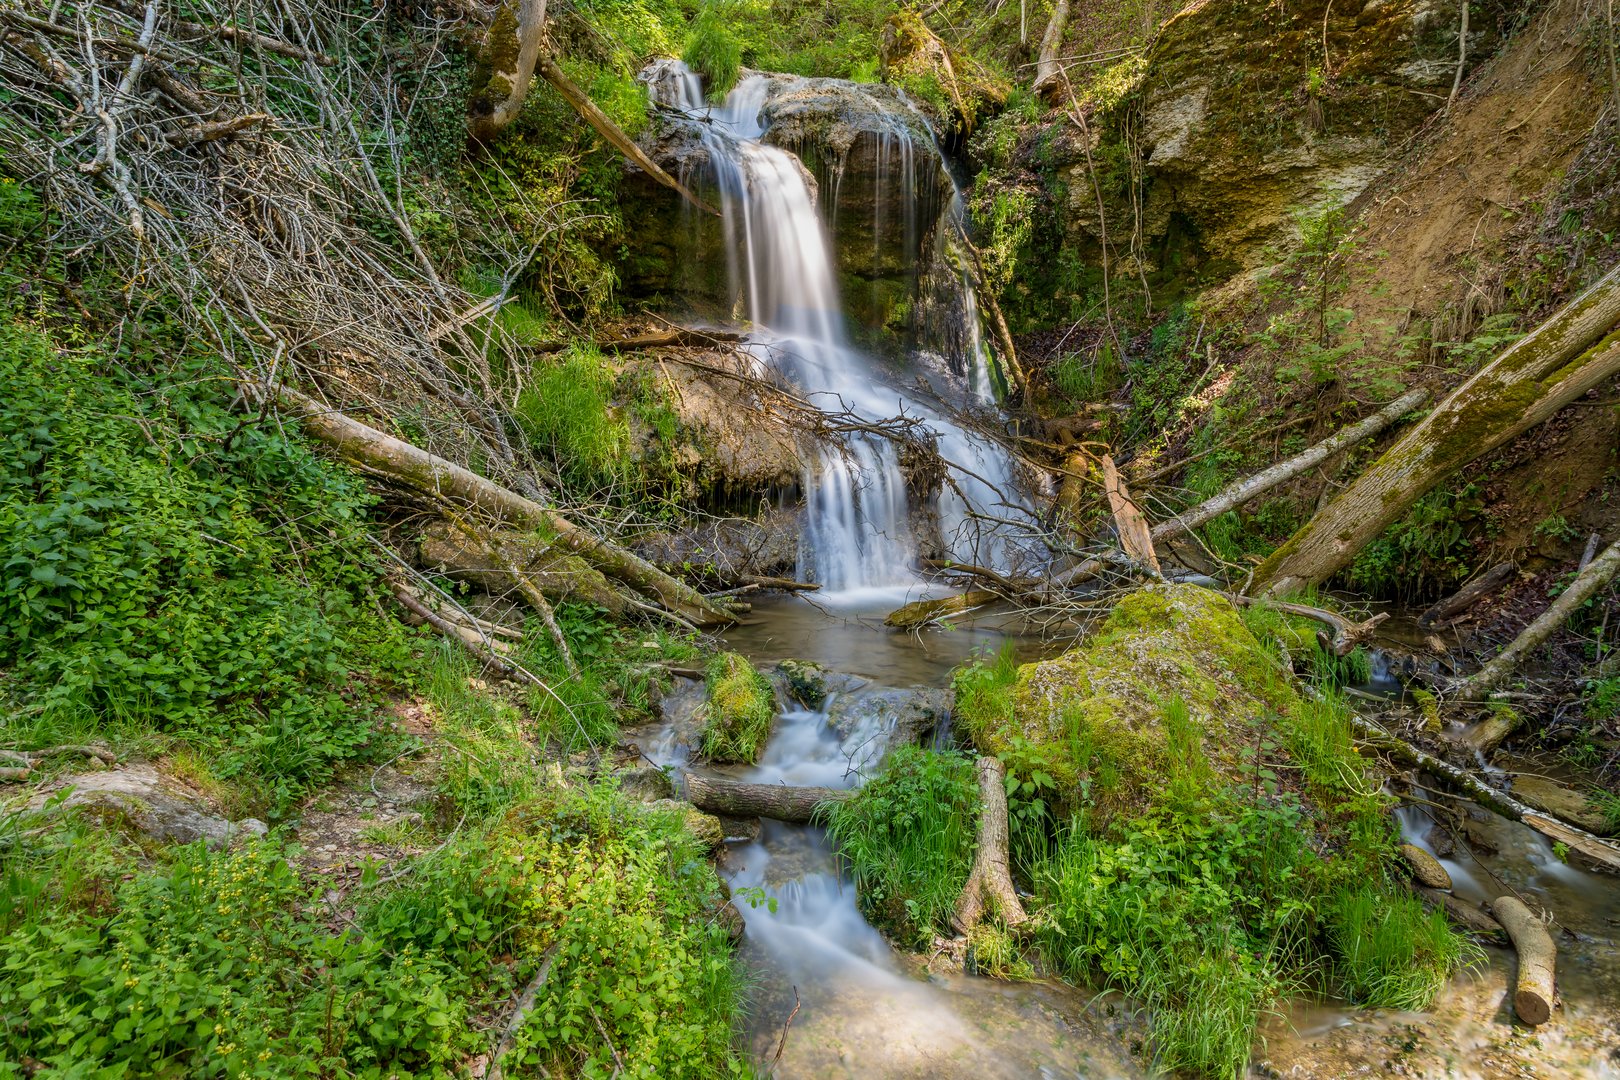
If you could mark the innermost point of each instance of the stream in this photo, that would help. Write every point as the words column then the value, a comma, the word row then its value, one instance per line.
column 864, row 1009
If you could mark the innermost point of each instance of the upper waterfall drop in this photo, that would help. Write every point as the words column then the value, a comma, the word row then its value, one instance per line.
column 861, row 522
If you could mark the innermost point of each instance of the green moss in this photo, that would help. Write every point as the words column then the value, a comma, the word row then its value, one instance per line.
column 1100, row 708
column 737, row 716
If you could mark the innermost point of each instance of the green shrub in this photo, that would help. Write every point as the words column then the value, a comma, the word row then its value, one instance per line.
column 713, row 51
column 737, row 716
column 907, row 837
column 166, row 565
column 228, row 963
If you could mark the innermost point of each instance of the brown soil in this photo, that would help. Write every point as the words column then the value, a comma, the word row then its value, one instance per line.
column 1430, row 227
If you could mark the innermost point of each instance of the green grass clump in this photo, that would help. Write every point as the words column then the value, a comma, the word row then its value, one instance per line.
column 1390, row 952
column 168, row 568
column 907, row 837
column 567, row 410
column 713, row 51
column 218, row 963
column 737, row 716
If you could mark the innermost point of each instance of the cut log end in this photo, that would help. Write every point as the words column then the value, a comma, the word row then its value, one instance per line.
column 1533, row 995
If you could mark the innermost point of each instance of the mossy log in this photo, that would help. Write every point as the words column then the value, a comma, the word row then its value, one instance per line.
column 504, row 67
column 922, row 612
column 1598, row 850
column 491, row 558
column 1533, row 994
column 733, row 798
column 1576, row 350
column 1587, row 584
column 1426, row 869
column 989, row 888
column 1490, row 732
column 412, row 467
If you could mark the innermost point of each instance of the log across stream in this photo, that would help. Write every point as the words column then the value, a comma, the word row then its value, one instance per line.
column 868, row 1009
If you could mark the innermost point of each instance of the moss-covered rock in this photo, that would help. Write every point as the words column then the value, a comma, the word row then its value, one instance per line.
column 806, row 681
column 1110, row 711
column 738, row 713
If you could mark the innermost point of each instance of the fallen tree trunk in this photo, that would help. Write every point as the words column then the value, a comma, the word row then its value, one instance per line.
column 1490, row 732
column 1551, row 797
column 1576, row 350
column 1538, row 959
column 733, row 798
column 1460, row 602
column 654, row 339
column 1132, row 526
column 1587, row 584
column 922, row 612
column 415, row 468
column 1048, row 72
column 989, row 888
column 604, row 125
column 1244, row 490
column 1600, row 851
column 491, row 559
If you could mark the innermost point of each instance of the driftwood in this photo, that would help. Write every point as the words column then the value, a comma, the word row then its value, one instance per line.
column 779, row 802
column 1588, row 583
column 22, row 762
column 547, row 68
column 520, row 1013
column 412, row 467
column 1576, row 350
column 1426, row 869
column 1598, row 850
column 1462, row 912
column 922, row 612
column 1462, row 601
column 1533, row 995
column 989, row 887
column 1134, row 536
column 1244, row 490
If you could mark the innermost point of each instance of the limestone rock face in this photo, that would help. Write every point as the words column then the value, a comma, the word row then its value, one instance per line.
column 1241, row 124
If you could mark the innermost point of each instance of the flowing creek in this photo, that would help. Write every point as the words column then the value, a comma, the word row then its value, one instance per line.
column 863, row 1008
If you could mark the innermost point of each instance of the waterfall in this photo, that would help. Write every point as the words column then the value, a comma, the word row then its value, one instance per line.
column 859, row 532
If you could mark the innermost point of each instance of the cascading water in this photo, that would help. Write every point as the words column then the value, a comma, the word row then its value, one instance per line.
column 859, row 529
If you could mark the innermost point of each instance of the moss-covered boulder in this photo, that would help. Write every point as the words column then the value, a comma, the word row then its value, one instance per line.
column 1173, row 669
column 737, row 714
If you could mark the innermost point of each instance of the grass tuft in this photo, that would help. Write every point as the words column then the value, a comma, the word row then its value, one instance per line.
column 741, row 706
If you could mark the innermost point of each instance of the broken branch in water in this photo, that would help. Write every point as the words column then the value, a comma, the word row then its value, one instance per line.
column 1533, row 994
column 1597, row 849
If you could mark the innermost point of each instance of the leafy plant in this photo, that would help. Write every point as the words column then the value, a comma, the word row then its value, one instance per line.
column 907, row 837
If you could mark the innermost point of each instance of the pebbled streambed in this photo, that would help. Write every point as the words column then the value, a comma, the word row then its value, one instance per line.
column 858, row 1007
